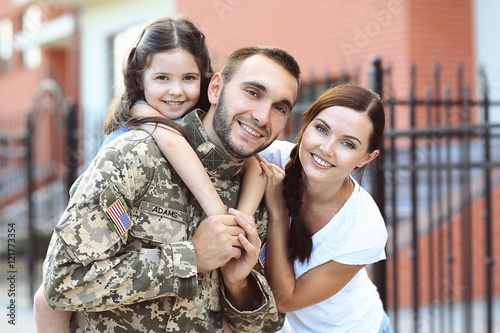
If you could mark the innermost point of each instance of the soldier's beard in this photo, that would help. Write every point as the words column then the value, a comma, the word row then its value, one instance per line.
column 222, row 128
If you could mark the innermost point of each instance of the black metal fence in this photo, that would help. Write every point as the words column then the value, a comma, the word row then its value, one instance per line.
column 39, row 161
column 436, row 192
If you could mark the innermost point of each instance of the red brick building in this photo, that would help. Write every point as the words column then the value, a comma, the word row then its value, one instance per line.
column 30, row 56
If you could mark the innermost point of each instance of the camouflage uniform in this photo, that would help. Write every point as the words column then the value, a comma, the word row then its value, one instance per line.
column 145, row 278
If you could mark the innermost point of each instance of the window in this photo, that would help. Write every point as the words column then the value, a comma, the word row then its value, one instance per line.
column 31, row 23
column 6, row 43
column 122, row 43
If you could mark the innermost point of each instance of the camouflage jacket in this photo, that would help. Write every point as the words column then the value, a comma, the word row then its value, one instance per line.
column 121, row 255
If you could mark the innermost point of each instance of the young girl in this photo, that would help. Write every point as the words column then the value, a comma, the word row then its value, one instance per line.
column 166, row 75
column 323, row 227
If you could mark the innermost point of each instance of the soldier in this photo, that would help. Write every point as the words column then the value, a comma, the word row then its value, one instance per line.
column 132, row 250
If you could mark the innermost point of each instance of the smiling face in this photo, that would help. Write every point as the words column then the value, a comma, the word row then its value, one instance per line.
column 171, row 83
column 253, row 107
column 335, row 143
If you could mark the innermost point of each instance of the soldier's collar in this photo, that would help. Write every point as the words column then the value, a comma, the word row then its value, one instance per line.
column 215, row 160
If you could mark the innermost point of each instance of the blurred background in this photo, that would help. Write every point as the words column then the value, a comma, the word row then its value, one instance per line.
column 436, row 63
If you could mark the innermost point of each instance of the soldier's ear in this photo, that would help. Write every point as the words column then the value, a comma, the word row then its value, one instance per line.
column 215, row 88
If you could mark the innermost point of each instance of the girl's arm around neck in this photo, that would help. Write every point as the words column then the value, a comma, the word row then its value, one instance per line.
column 186, row 163
column 181, row 156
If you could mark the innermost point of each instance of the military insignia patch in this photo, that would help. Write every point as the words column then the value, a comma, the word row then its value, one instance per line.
column 119, row 216
column 262, row 256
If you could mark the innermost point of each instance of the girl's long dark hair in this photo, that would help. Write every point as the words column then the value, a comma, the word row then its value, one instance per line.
column 353, row 97
column 162, row 35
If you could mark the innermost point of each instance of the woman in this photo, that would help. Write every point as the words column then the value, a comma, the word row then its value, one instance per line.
column 325, row 228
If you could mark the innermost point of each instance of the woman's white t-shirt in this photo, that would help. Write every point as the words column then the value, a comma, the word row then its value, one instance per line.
column 356, row 235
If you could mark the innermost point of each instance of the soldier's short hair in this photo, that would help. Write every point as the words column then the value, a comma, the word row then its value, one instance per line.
column 280, row 56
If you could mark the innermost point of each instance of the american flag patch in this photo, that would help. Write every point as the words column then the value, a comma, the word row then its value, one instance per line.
column 119, row 216
column 262, row 256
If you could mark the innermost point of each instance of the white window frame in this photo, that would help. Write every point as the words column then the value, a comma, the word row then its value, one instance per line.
column 31, row 23
column 6, row 42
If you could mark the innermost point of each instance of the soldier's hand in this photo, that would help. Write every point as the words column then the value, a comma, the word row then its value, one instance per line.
column 216, row 242
column 237, row 269
column 241, row 288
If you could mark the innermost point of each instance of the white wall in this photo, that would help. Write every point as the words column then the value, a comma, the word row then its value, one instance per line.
column 487, row 35
column 98, row 22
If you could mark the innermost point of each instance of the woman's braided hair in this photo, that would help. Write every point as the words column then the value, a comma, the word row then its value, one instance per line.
column 298, row 236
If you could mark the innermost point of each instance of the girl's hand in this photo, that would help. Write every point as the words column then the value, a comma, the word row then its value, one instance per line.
column 140, row 110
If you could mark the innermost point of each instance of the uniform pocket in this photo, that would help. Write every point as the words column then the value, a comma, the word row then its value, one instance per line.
column 88, row 237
